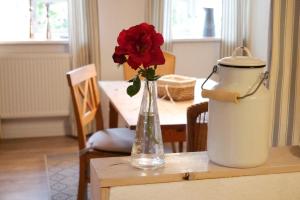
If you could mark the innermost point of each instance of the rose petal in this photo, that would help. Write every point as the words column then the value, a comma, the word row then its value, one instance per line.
column 134, row 62
column 119, row 58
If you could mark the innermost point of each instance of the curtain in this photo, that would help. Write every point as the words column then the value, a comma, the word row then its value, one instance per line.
column 159, row 14
column 234, row 25
column 78, row 34
column 84, row 33
column 84, row 40
column 285, row 72
column 93, row 34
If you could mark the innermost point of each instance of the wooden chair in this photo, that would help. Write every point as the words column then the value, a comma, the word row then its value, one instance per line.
column 197, row 127
column 103, row 143
column 167, row 68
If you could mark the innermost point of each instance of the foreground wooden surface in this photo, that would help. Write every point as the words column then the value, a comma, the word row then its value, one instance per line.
column 22, row 166
column 189, row 166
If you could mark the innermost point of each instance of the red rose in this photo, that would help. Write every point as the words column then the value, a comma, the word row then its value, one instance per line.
column 139, row 46
column 119, row 58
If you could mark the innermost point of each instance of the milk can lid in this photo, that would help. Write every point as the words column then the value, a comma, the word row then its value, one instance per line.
column 247, row 61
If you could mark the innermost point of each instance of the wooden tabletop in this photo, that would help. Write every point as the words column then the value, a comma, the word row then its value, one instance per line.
column 170, row 114
column 116, row 171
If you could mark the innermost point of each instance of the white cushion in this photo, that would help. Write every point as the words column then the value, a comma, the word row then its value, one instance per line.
column 114, row 139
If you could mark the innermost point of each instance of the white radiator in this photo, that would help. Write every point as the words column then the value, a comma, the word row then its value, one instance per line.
column 34, row 85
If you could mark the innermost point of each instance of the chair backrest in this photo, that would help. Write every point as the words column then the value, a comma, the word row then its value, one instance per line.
column 86, row 101
column 167, row 68
column 197, row 116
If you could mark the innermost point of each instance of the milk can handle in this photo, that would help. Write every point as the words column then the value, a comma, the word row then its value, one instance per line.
column 244, row 49
column 224, row 95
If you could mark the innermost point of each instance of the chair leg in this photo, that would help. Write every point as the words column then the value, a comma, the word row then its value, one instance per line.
column 180, row 147
column 173, row 147
column 82, row 183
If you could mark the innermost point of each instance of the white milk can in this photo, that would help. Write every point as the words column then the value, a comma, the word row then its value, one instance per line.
column 239, row 112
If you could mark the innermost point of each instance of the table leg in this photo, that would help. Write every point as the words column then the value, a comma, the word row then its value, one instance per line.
column 174, row 135
column 173, row 145
column 113, row 116
column 180, row 146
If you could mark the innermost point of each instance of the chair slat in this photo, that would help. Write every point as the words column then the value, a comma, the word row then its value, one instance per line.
column 81, row 74
column 197, row 127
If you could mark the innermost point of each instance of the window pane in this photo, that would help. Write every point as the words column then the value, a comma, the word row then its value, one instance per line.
column 188, row 18
column 17, row 19
column 14, row 20
column 59, row 20
column 39, row 20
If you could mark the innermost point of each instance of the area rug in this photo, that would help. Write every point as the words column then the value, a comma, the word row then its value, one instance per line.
column 62, row 173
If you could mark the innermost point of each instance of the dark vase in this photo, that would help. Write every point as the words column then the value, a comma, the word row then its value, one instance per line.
column 209, row 23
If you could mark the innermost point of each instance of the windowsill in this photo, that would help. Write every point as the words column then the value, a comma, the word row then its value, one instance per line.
column 208, row 39
column 37, row 42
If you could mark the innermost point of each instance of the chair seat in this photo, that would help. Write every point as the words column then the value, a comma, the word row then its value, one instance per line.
column 114, row 140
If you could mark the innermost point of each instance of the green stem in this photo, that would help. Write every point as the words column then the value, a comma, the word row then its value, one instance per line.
column 150, row 96
column 149, row 126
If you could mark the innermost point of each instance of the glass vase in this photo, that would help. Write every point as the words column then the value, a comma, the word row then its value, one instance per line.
column 147, row 150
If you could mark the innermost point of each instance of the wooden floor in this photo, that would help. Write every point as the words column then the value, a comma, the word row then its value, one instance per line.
column 22, row 166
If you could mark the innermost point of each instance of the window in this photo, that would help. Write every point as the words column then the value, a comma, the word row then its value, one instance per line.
column 195, row 19
column 33, row 19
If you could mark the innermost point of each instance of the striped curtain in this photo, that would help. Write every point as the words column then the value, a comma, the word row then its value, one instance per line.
column 285, row 71
column 234, row 25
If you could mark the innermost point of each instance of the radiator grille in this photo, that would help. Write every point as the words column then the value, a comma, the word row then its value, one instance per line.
column 34, row 85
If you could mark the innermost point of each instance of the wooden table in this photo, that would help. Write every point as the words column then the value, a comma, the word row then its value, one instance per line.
column 192, row 176
column 172, row 115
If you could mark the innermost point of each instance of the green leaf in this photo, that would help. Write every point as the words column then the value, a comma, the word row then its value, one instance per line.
column 141, row 71
column 149, row 74
column 135, row 87
column 156, row 77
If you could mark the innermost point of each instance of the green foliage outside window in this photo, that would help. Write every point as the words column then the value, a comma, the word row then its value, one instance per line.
column 57, row 18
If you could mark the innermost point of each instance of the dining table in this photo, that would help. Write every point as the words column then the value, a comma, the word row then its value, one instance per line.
column 172, row 114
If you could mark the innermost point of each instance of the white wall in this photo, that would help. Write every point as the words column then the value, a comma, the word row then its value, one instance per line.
column 116, row 15
column 259, row 28
column 196, row 58
column 193, row 58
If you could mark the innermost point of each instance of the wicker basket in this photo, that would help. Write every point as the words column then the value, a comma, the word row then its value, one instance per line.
column 176, row 87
